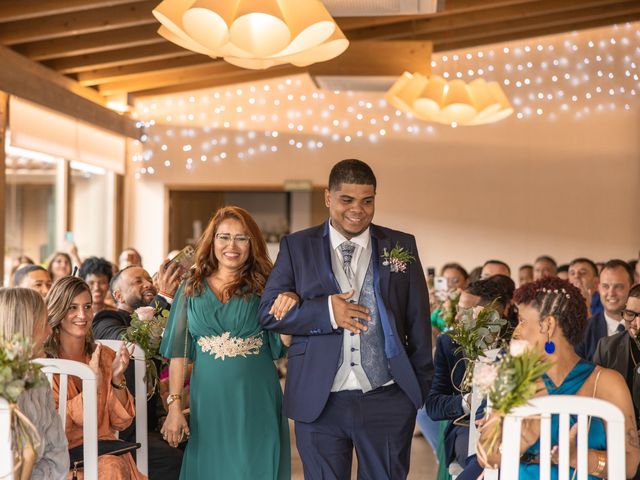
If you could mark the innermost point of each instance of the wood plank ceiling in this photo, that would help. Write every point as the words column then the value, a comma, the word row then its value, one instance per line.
column 112, row 45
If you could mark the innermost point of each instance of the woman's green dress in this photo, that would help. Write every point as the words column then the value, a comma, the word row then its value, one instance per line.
column 237, row 427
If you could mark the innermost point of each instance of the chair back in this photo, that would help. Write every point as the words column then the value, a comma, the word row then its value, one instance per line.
column 140, row 369
column 64, row 368
column 6, row 454
column 565, row 406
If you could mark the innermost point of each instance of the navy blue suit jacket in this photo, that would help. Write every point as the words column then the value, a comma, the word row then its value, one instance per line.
column 304, row 267
column 596, row 329
column 444, row 401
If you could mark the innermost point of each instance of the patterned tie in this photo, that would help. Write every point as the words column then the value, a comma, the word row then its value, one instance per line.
column 620, row 328
column 346, row 249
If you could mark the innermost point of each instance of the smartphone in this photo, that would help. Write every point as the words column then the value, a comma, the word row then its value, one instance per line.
column 441, row 284
column 185, row 258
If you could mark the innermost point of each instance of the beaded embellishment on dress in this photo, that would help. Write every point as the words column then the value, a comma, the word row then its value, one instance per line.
column 222, row 346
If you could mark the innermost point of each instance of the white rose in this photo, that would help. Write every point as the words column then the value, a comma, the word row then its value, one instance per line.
column 145, row 313
column 517, row 347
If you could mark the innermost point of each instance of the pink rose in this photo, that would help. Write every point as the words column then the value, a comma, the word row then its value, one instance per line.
column 145, row 313
column 484, row 376
column 517, row 347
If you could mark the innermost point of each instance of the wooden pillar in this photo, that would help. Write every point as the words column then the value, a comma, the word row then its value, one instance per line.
column 4, row 126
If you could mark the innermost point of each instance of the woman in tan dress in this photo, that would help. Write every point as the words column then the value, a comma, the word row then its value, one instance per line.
column 70, row 314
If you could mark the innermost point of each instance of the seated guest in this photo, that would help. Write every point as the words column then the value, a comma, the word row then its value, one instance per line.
column 495, row 267
column 17, row 264
column 34, row 277
column 444, row 401
column 616, row 279
column 552, row 317
column 583, row 274
column 635, row 267
column 128, row 257
column 70, row 313
column 23, row 311
column 563, row 271
column 132, row 288
column 97, row 272
column 59, row 265
column 544, row 266
column 621, row 352
column 474, row 275
column 525, row 274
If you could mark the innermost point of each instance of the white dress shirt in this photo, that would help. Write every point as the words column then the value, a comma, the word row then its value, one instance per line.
column 612, row 324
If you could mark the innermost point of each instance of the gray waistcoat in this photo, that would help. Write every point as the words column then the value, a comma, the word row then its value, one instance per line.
column 362, row 353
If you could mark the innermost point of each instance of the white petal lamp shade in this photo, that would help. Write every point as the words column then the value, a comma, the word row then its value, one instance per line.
column 169, row 13
column 434, row 99
column 310, row 26
column 260, row 28
column 207, row 22
column 333, row 47
column 254, row 34
column 429, row 102
column 391, row 95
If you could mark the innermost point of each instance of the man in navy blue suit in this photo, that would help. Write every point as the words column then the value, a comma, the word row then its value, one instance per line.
column 616, row 279
column 360, row 359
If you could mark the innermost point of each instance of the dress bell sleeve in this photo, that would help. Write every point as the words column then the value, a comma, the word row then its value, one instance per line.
column 176, row 341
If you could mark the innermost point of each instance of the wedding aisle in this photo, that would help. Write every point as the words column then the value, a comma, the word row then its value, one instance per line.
column 423, row 463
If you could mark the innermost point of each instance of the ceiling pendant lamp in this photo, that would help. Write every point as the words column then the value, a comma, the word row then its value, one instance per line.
column 434, row 99
column 254, row 34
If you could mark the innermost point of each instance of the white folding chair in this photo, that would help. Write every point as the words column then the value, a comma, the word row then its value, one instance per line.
column 140, row 368
column 564, row 406
column 6, row 454
column 64, row 368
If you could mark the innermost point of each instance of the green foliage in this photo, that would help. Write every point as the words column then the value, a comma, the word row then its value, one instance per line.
column 17, row 372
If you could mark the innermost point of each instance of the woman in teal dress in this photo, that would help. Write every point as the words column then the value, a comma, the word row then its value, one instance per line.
column 236, row 428
column 552, row 317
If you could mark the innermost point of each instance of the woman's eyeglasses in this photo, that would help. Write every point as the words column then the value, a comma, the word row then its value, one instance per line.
column 226, row 239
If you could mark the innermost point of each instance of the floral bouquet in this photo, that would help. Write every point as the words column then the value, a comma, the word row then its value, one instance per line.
column 510, row 382
column 475, row 331
column 17, row 374
column 146, row 329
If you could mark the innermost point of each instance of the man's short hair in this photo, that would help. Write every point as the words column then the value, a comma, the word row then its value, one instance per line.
column 498, row 262
column 351, row 171
column 617, row 263
column 548, row 259
column 113, row 284
column 22, row 273
column 527, row 266
column 635, row 291
column 96, row 266
column 457, row 267
column 588, row 261
column 563, row 268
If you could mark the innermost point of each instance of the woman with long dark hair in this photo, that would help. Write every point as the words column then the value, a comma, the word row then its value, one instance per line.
column 236, row 428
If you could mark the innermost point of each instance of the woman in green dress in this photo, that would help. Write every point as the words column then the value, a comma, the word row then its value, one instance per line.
column 236, row 428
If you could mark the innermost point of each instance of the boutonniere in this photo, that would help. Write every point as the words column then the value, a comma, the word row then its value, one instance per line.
column 397, row 259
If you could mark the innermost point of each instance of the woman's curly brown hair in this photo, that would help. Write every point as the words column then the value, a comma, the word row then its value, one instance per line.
column 554, row 297
column 254, row 272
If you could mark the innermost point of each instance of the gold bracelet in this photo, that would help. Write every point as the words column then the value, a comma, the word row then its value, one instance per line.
column 602, row 463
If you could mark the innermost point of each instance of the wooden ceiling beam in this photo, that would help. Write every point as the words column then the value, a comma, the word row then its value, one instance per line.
column 130, row 72
column 113, row 58
column 91, row 43
column 532, row 27
column 536, row 31
column 390, row 59
column 78, row 23
column 13, row 10
column 456, row 21
column 30, row 80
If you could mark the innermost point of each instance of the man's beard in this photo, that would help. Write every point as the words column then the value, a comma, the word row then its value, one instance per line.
column 139, row 301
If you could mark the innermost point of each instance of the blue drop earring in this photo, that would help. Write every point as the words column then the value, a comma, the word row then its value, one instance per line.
column 549, row 346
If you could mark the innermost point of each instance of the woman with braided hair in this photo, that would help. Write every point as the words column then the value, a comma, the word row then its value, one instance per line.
column 552, row 318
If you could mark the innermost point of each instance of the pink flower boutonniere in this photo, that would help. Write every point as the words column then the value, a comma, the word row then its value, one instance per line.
column 397, row 259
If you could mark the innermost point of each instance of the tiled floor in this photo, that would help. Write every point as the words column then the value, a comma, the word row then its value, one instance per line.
column 423, row 463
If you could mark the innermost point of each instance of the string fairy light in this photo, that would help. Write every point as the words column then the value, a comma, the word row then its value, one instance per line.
column 567, row 76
